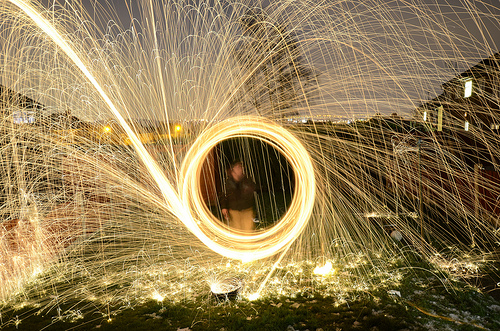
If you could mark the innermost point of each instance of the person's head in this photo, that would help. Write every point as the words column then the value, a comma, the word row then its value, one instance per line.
column 236, row 170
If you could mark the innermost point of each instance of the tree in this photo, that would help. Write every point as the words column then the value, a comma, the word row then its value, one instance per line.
column 277, row 79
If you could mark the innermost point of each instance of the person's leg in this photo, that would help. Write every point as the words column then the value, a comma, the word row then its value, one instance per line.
column 235, row 219
column 247, row 217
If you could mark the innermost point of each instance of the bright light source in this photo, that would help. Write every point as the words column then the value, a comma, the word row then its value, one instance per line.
column 157, row 296
column 107, row 129
column 466, row 126
column 253, row 296
column 468, row 88
column 324, row 270
column 226, row 289
column 425, row 116
column 440, row 118
column 178, row 128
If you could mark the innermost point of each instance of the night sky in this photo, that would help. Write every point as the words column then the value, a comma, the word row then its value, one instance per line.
column 474, row 25
column 479, row 17
column 444, row 37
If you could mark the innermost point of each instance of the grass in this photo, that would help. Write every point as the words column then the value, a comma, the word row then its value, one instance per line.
column 421, row 300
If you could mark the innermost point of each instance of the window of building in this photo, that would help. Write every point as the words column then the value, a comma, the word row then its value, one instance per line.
column 24, row 117
column 425, row 116
column 440, row 118
column 466, row 126
column 468, row 88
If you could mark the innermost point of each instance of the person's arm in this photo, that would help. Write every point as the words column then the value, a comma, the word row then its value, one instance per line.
column 224, row 205
column 224, row 200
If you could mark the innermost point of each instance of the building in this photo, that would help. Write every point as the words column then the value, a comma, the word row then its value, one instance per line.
column 463, row 161
column 23, row 109
column 470, row 100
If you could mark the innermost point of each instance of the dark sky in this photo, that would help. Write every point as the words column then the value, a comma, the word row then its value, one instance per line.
column 474, row 19
column 473, row 28
column 382, row 55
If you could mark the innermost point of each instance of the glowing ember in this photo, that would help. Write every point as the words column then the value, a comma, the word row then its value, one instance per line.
column 157, row 296
column 324, row 270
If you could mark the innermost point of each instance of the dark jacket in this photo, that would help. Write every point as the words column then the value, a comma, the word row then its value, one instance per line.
column 239, row 195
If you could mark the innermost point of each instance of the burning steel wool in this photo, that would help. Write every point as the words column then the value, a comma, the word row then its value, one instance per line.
column 366, row 130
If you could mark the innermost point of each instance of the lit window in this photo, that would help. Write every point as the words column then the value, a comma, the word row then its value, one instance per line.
column 440, row 118
column 466, row 126
column 468, row 88
column 23, row 117
column 425, row 116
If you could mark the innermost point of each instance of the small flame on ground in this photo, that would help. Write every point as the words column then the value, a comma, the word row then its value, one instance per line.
column 157, row 296
column 324, row 270
column 253, row 296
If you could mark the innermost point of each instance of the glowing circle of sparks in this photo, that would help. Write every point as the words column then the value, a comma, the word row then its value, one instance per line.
column 259, row 244
column 186, row 202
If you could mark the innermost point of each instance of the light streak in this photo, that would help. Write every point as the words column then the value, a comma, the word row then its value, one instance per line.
column 104, row 222
column 168, row 191
column 247, row 248
column 258, row 245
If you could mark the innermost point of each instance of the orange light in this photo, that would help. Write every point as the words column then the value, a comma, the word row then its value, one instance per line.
column 178, row 128
column 107, row 129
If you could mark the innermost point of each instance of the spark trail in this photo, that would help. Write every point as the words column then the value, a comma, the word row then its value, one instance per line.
column 106, row 192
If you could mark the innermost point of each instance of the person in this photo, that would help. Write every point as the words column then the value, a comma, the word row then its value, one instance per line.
column 237, row 203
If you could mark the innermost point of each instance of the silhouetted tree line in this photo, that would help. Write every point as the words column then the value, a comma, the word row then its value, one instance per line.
column 277, row 78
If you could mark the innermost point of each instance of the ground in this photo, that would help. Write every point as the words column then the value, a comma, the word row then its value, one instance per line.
column 421, row 301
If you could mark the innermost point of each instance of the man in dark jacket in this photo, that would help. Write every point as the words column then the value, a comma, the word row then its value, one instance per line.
column 237, row 203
